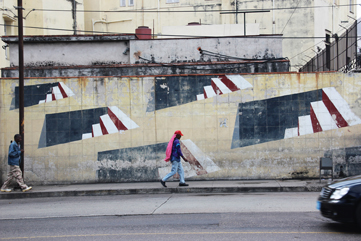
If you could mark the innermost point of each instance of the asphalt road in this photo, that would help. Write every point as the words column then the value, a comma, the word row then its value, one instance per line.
column 262, row 216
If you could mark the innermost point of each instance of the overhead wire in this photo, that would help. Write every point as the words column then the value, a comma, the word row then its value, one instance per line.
column 190, row 11
column 174, row 35
column 291, row 16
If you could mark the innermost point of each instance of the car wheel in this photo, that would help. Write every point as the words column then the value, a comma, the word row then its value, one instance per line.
column 358, row 215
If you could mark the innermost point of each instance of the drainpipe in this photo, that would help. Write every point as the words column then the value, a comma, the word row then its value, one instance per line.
column 273, row 18
column 108, row 22
column 73, row 10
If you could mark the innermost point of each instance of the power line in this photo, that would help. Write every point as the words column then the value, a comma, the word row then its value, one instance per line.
column 173, row 35
column 185, row 11
column 291, row 16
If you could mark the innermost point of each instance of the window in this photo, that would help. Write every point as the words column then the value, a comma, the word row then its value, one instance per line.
column 131, row 2
column 172, row 1
column 122, row 3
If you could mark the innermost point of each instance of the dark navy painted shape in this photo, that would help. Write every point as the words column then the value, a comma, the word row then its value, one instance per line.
column 178, row 90
column 266, row 120
column 34, row 93
column 135, row 154
column 70, row 126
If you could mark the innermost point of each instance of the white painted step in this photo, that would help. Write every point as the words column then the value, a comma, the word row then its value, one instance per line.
column 291, row 132
column 97, row 130
column 126, row 121
column 342, row 106
column 221, row 86
column 87, row 136
column 57, row 93
column 66, row 89
column 109, row 125
column 49, row 98
column 209, row 92
column 305, row 125
column 200, row 156
column 239, row 81
column 323, row 116
column 200, row 97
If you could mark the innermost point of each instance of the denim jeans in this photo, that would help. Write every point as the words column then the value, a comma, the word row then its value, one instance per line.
column 176, row 167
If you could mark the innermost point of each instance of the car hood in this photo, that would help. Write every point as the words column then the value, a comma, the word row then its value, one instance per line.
column 350, row 181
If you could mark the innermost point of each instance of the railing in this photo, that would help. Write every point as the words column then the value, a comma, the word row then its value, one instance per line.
column 341, row 55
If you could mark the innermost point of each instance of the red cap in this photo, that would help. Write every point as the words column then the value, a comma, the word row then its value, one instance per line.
column 178, row 132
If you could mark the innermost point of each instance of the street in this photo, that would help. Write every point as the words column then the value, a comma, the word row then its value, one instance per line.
column 233, row 216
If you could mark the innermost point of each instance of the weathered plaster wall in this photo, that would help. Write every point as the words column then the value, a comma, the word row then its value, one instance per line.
column 71, row 53
column 116, row 129
column 179, row 50
column 118, row 49
column 151, row 69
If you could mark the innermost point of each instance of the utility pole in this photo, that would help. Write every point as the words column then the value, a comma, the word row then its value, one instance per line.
column 21, row 79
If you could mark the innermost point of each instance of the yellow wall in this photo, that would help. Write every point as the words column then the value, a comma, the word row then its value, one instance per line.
column 200, row 121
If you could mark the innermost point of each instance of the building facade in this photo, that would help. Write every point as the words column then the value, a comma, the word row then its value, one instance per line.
column 41, row 17
column 301, row 23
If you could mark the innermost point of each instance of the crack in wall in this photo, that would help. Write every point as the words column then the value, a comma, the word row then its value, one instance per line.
column 162, row 204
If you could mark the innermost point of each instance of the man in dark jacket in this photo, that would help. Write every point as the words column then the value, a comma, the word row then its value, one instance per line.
column 176, row 161
column 14, row 163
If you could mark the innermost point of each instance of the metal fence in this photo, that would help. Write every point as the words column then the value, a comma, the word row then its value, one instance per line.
column 339, row 55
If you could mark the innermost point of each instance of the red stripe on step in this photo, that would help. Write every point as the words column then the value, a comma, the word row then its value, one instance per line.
column 116, row 121
column 62, row 91
column 229, row 83
column 315, row 124
column 340, row 121
column 215, row 88
column 102, row 127
column 53, row 96
column 205, row 93
column 92, row 131
column 298, row 127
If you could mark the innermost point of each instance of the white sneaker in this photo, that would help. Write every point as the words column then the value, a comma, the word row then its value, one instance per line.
column 27, row 189
column 6, row 190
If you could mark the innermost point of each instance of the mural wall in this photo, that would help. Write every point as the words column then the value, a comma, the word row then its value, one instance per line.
column 81, row 130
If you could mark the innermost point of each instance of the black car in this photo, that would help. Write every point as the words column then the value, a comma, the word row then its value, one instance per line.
column 341, row 200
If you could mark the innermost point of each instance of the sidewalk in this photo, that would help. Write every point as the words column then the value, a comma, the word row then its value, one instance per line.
column 236, row 186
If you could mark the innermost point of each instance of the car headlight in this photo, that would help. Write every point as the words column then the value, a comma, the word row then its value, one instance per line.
column 339, row 193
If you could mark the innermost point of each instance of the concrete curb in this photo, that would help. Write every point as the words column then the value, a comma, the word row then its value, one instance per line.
column 43, row 194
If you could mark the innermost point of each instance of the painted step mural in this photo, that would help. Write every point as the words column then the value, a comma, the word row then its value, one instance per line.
column 199, row 163
column 224, row 85
column 65, row 127
column 113, row 122
column 58, row 92
column 331, row 112
column 41, row 93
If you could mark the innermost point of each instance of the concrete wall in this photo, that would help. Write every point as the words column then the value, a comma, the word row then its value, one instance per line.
column 70, row 54
column 151, row 69
column 83, row 130
column 113, row 49
column 179, row 50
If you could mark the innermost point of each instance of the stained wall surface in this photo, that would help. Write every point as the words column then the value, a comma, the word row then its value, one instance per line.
column 114, row 129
